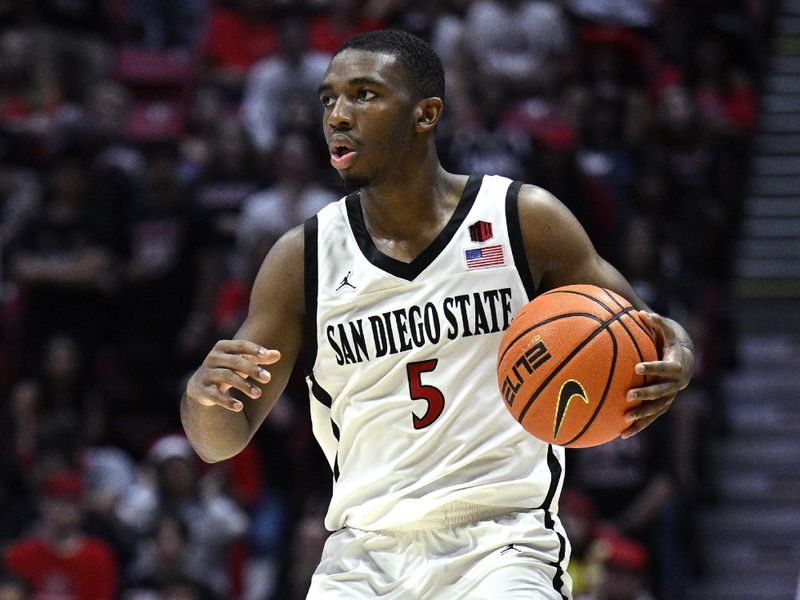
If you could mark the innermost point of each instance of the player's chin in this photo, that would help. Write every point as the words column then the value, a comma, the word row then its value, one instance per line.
column 354, row 180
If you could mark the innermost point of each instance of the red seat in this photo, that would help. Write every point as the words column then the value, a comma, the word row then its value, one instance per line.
column 142, row 66
column 160, row 82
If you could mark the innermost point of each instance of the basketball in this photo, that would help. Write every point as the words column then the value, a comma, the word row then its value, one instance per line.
column 566, row 363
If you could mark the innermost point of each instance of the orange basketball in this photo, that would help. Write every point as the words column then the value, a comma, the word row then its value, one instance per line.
column 566, row 363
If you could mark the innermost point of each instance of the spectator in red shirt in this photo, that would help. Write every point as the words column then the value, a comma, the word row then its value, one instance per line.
column 59, row 561
column 237, row 37
column 341, row 21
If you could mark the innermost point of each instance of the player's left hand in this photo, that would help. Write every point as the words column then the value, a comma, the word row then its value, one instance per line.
column 666, row 376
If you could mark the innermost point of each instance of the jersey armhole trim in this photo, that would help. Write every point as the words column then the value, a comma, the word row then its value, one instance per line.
column 310, row 234
column 516, row 240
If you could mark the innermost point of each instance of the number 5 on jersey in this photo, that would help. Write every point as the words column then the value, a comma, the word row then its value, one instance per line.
column 419, row 391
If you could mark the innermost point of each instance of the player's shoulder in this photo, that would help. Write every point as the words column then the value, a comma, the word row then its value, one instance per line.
column 540, row 210
column 532, row 197
column 545, row 221
column 291, row 245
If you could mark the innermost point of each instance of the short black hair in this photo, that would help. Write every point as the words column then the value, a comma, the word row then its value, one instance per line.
column 424, row 67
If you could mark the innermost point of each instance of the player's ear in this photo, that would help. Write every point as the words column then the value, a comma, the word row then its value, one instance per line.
column 428, row 113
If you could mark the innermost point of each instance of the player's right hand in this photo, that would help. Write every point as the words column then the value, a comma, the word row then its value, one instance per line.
column 231, row 364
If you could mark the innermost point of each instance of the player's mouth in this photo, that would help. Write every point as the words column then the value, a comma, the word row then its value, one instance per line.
column 342, row 154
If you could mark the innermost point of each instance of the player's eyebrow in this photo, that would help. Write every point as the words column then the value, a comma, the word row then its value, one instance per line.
column 356, row 81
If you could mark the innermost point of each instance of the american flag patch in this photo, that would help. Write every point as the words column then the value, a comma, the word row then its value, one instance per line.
column 489, row 256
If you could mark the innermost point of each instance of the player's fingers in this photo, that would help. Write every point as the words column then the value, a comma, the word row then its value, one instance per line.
column 226, row 379
column 254, row 352
column 637, row 427
column 267, row 358
column 257, row 374
column 239, row 364
column 652, row 408
column 668, row 369
column 212, row 395
column 652, row 392
column 658, row 323
column 640, row 424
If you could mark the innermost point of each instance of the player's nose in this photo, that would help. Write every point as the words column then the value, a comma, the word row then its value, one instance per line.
column 340, row 116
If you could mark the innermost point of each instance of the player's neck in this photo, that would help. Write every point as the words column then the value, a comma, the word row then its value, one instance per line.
column 411, row 196
column 403, row 217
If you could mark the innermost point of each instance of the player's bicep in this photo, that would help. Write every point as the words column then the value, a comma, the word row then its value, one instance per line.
column 559, row 250
column 275, row 318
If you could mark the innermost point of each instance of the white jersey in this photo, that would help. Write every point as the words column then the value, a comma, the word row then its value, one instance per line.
column 401, row 367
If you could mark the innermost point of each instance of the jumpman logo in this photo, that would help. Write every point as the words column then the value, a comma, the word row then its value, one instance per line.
column 345, row 281
column 509, row 548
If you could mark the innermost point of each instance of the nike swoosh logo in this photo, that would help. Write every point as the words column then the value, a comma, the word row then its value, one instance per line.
column 569, row 390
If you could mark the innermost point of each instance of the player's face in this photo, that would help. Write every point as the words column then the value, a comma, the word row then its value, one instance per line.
column 368, row 115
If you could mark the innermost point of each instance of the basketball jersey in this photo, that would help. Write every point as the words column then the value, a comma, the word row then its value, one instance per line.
column 401, row 366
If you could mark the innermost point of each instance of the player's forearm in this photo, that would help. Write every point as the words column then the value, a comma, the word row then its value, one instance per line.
column 215, row 433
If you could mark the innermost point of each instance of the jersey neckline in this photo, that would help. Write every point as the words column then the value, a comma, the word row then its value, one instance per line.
column 412, row 269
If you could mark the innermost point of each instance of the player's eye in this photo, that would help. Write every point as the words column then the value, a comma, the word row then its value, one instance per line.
column 327, row 100
column 365, row 95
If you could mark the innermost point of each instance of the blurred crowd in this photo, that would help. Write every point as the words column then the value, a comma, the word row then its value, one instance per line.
column 152, row 151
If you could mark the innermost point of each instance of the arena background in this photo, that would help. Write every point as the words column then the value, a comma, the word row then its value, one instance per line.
column 152, row 151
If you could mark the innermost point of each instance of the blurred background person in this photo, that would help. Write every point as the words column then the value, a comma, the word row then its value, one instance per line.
column 174, row 487
column 59, row 560
column 281, row 89
column 65, row 266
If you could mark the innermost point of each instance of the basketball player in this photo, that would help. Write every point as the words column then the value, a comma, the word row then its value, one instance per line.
column 401, row 292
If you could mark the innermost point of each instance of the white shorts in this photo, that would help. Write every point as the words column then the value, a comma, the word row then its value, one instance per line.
column 513, row 556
